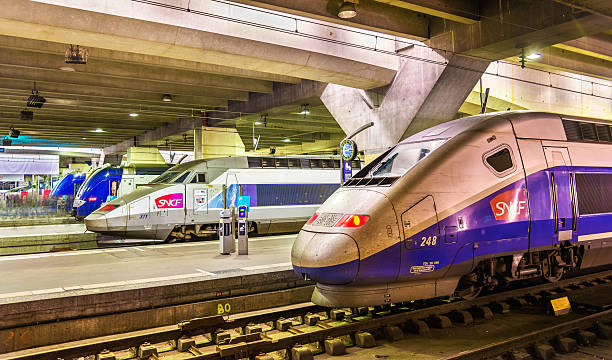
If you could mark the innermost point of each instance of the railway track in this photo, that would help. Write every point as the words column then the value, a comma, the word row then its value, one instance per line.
column 304, row 330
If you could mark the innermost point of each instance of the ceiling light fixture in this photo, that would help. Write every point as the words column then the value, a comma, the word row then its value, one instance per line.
column 35, row 100
column 286, row 140
column 98, row 130
column 167, row 98
column 67, row 68
column 76, row 55
column 534, row 56
column 347, row 10
column 305, row 109
column 133, row 114
column 257, row 122
column 27, row 115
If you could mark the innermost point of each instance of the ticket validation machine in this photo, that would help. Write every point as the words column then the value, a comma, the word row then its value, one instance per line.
column 227, row 244
column 243, row 230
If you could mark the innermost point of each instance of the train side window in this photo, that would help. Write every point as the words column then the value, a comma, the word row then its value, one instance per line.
column 199, row 179
column 500, row 160
column 594, row 193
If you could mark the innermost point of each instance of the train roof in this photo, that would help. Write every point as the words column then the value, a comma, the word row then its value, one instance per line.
column 527, row 124
column 243, row 162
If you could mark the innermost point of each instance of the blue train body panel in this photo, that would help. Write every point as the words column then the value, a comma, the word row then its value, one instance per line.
column 96, row 190
column 68, row 185
column 489, row 231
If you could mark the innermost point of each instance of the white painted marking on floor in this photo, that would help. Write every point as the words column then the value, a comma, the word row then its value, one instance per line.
column 47, row 291
column 206, row 272
column 58, row 254
column 72, row 288
column 259, row 267
column 15, row 294
column 216, row 243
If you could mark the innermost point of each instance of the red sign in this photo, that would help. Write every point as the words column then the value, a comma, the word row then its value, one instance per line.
column 170, row 201
column 93, row 198
column 510, row 205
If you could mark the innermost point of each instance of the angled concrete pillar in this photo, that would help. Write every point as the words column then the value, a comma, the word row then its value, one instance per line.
column 221, row 142
column 423, row 94
column 197, row 143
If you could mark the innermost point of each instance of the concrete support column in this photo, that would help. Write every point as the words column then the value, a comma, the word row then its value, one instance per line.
column 423, row 94
column 197, row 143
column 220, row 142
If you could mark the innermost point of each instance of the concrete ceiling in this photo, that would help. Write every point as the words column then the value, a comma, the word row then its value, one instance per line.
column 116, row 82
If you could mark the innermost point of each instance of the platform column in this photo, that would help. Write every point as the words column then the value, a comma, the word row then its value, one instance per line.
column 197, row 143
column 423, row 94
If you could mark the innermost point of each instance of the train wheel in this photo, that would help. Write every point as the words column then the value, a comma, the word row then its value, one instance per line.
column 471, row 293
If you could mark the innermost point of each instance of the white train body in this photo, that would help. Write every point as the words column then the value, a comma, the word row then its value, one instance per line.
column 185, row 201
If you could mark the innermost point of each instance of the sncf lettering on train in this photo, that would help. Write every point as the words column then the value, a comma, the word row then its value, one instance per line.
column 170, row 201
column 510, row 205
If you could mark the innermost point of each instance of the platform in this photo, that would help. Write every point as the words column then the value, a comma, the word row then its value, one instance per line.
column 92, row 282
column 44, row 238
column 12, row 222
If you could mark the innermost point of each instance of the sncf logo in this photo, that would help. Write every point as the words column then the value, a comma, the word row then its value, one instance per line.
column 510, row 205
column 170, row 201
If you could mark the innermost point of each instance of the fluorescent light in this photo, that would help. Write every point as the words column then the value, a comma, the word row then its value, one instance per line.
column 98, row 130
column 287, row 140
column 133, row 114
column 257, row 122
column 167, row 97
column 533, row 56
column 67, row 68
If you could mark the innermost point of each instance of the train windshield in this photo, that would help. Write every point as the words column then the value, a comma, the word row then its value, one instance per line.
column 167, row 177
column 402, row 158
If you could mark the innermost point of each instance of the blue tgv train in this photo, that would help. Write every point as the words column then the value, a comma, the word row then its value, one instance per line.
column 467, row 205
column 68, row 185
column 107, row 183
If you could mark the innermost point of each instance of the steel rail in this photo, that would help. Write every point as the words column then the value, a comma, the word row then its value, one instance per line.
column 257, row 344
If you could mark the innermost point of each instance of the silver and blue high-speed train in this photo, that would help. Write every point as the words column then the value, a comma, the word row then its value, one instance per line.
column 185, row 201
column 470, row 204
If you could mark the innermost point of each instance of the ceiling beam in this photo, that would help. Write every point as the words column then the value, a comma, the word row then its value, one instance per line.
column 97, row 92
column 31, row 60
column 151, row 136
column 372, row 15
column 207, row 43
column 121, row 57
column 600, row 7
column 90, row 80
column 462, row 11
column 505, row 30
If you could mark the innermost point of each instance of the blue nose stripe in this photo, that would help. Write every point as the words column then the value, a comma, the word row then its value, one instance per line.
column 333, row 275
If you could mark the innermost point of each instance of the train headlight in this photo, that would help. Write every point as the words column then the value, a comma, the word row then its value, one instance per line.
column 107, row 208
column 352, row 220
column 312, row 219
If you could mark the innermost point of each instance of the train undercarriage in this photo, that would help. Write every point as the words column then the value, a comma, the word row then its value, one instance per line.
column 499, row 272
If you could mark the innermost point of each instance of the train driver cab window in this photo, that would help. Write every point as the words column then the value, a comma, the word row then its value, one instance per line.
column 499, row 160
column 402, row 158
column 199, row 178
column 181, row 179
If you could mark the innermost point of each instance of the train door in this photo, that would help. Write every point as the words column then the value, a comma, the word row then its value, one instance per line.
column 139, row 215
column 421, row 233
column 196, row 199
column 562, row 194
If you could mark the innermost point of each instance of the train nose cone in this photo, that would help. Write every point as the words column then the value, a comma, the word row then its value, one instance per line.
column 325, row 258
column 96, row 222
